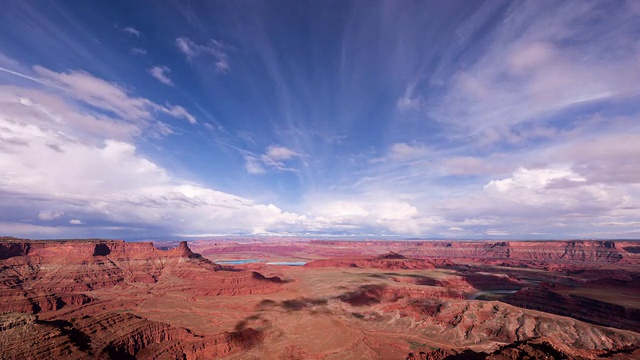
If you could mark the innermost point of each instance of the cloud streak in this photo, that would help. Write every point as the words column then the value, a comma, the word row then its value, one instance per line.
column 161, row 73
column 214, row 49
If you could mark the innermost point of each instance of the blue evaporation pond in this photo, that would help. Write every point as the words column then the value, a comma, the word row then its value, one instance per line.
column 287, row 263
column 237, row 262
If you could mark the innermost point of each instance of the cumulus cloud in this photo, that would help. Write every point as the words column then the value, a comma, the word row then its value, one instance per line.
column 214, row 49
column 113, row 184
column 534, row 179
column 383, row 215
column 534, row 199
column 57, row 153
column 161, row 73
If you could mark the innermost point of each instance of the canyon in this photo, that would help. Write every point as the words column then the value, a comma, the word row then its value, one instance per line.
column 367, row 299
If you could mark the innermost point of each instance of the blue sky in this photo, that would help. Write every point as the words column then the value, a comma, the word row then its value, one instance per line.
column 439, row 119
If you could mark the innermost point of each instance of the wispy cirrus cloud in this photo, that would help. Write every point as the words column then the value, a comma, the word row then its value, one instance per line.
column 214, row 49
column 132, row 31
column 138, row 51
column 275, row 157
column 540, row 65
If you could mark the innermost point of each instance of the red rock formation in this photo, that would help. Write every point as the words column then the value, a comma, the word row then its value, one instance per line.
column 113, row 336
column 510, row 253
column 42, row 276
column 468, row 323
column 390, row 261
column 552, row 299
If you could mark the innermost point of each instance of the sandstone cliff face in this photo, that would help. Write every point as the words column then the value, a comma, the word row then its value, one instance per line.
column 112, row 336
column 56, row 281
column 375, row 263
column 526, row 253
column 390, row 261
column 40, row 276
column 552, row 300
column 591, row 251
column 469, row 323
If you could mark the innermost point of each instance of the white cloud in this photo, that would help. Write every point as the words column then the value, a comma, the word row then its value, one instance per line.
column 276, row 157
column 179, row 112
column 410, row 103
column 610, row 158
column 277, row 153
column 253, row 165
column 131, row 30
column 534, row 179
column 380, row 215
column 537, row 65
column 161, row 73
column 403, row 151
column 214, row 49
column 107, row 96
column 49, row 214
column 57, row 153
column 112, row 183
column 46, row 111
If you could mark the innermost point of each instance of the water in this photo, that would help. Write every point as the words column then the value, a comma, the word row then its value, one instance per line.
column 491, row 292
column 238, row 262
column 249, row 261
column 287, row 263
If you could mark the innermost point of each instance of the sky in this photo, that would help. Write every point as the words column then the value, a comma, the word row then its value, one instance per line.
column 391, row 119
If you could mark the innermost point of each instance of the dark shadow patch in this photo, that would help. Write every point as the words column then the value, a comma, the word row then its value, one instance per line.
column 485, row 282
column 366, row 295
column 229, row 268
column 265, row 304
column 242, row 324
column 273, row 279
column 293, row 305
column 246, row 338
column 118, row 353
column 101, row 250
column 632, row 249
column 302, row 303
column 377, row 276
column 77, row 337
